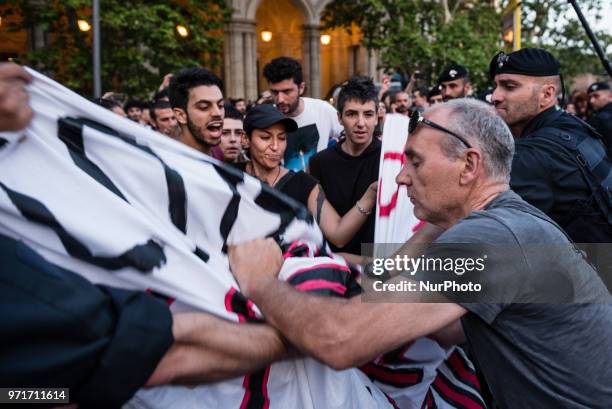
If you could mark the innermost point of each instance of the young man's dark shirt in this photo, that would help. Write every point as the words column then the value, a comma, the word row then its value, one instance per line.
column 345, row 179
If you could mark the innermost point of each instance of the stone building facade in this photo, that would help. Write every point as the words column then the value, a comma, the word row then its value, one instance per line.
column 295, row 26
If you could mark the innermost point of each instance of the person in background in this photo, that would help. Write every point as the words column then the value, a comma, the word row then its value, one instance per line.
column 133, row 109
column 196, row 96
column 347, row 170
column 316, row 119
column 240, row 105
column 164, row 120
column 111, row 105
column 434, row 96
column 267, row 130
column 232, row 135
column 600, row 100
column 419, row 98
column 455, row 82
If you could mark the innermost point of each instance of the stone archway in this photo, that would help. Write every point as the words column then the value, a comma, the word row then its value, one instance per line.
column 296, row 32
column 285, row 20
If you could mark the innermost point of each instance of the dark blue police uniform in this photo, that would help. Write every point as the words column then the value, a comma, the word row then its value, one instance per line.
column 549, row 172
column 602, row 121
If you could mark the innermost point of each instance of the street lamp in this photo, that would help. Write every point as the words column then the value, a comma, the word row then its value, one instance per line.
column 266, row 35
column 325, row 39
column 182, row 30
column 83, row 25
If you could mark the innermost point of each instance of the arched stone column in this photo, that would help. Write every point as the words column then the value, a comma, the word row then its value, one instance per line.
column 311, row 66
column 240, row 60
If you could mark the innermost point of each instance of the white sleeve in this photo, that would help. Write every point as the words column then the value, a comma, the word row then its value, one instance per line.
column 336, row 128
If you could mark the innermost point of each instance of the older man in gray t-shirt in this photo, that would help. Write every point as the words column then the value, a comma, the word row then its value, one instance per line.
column 535, row 348
column 539, row 330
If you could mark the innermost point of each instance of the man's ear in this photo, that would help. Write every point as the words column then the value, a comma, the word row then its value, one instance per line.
column 340, row 118
column 467, row 88
column 548, row 93
column 301, row 88
column 245, row 142
column 473, row 166
column 181, row 115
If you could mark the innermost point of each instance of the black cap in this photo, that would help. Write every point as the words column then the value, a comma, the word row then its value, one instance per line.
column 264, row 116
column 598, row 86
column 486, row 96
column 453, row 72
column 534, row 62
column 435, row 90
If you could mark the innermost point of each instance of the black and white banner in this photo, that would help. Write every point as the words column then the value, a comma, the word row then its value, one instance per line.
column 125, row 206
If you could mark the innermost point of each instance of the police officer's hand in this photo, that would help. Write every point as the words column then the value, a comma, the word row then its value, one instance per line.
column 15, row 111
column 255, row 262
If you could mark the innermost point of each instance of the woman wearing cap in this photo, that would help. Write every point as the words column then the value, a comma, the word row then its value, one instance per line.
column 266, row 130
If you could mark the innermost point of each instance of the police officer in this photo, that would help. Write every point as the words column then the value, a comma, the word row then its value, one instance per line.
column 600, row 99
column 455, row 82
column 560, row 165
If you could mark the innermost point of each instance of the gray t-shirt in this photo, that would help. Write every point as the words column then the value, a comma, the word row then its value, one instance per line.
column 535, row 354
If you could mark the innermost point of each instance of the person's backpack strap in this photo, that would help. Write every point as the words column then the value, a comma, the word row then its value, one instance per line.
column 590, row 155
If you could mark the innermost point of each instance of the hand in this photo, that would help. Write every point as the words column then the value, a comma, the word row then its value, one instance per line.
column 166, row 82
column 15, row 110
column 368, row 200
column 386, row 82
column 254, row 263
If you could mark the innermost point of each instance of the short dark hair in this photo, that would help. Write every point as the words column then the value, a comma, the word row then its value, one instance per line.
column 161, row 104
column 234, row 101
column 283, row 68
column 107, row 103
column 232, row 113
column 358, row 88
column 161, row 94
column 423, row 91
column 132, row 104
column 396, row 93
column 189, row 78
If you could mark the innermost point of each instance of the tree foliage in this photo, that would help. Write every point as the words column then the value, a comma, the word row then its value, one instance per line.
column 423, row 35
column 554, row 25
column 426, row 35
column 139, row 40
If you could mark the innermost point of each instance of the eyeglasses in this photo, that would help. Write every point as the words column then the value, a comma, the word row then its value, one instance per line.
column 416, row 118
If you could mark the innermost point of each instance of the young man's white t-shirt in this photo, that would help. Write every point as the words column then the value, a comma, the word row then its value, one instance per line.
column 317, row 123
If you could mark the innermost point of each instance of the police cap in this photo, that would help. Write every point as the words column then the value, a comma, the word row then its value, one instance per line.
column 598, row 86
column 534, row 62
column 453, row 72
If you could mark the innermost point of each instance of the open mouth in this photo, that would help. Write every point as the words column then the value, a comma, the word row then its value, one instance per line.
column 214, row 130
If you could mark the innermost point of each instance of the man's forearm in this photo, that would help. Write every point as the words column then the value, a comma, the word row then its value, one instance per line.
column 344, row 333
column 209, row 349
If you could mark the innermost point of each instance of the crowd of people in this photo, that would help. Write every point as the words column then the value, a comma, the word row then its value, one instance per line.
column 510, row 166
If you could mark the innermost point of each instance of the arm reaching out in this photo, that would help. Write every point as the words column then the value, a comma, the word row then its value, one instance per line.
column 341, row 333
column 209, row 349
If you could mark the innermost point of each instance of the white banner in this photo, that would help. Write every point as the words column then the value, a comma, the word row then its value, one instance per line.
column 122, row 205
